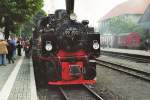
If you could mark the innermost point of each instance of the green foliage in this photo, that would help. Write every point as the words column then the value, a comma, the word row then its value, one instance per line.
column 39, row 15
column 123, row 24
column 140, row 30
column 16, row 12
column 20, row 10
column 29, row 25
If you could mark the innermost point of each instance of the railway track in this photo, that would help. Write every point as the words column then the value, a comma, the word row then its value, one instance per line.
column 80, row 92
column 72, row 92
column 128, row 57
column 122, row 68
column 49, row 93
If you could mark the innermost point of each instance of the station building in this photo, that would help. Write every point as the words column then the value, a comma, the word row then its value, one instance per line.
column 133, row 9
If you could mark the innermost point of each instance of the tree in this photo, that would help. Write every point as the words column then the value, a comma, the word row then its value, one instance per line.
column 32, row 23
column 123, row 24
column 15, row 12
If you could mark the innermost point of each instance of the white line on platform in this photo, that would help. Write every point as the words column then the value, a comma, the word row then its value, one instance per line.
column 4, row 93
column 32, row 83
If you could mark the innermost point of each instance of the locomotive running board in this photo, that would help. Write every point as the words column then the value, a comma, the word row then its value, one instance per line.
column 72, row 82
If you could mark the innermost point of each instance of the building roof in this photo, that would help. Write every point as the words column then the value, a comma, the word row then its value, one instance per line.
column 145, row 19
column 128, row 7
column 146, row 16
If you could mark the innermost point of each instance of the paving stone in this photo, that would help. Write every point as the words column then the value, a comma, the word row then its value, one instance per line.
column 5, row 71
column 21, row 88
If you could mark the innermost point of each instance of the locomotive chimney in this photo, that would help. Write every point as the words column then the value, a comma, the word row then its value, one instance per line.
column 70, row 6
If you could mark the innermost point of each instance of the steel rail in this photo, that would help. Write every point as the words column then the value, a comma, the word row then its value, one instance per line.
column 93, row 92
column 134, row 72
column 63, row 93
column 86, row 88
column 129, row 57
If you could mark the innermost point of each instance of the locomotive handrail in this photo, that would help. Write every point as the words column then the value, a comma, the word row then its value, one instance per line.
column 68, row 57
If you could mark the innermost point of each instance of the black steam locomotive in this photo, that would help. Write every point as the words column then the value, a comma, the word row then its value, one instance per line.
column 64, row 49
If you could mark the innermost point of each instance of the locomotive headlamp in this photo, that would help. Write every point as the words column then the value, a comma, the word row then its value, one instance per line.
column 73, row 16
column 95, row 45
column 48, row 46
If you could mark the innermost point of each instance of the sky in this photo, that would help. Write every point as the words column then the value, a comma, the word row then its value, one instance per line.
column 91, row 10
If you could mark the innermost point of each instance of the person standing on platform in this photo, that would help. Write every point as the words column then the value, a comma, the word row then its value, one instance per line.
column 3, row 49
column 19, row 46
column 146, row 45
column 13, row 41
column 10, row 49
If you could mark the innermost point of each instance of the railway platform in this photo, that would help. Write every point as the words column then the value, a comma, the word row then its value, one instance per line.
column 128, row 51
column 17, row 81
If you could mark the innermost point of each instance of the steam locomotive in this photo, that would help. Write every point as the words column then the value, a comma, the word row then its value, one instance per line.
column 63, row 50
